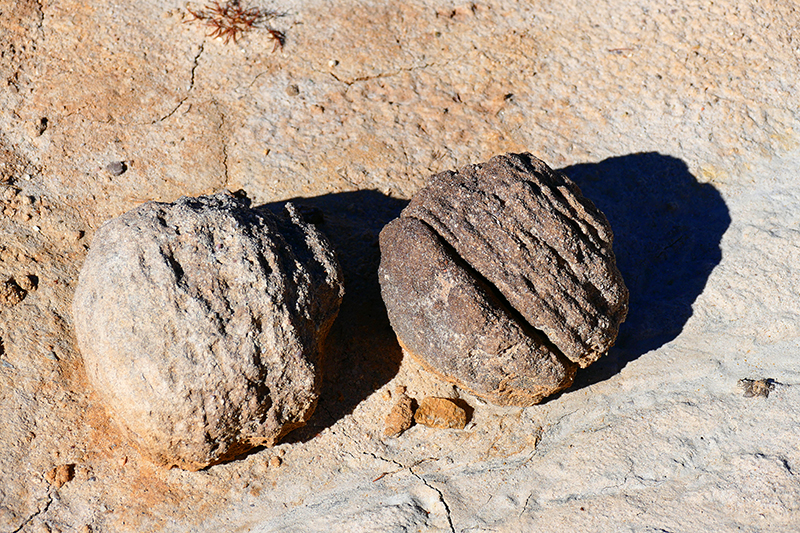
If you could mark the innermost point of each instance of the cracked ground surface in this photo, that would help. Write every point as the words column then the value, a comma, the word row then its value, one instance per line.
column 677, row 118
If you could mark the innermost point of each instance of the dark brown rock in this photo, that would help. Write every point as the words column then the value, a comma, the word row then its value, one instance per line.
column 456, row 325
column 530, row 233
column 501, row 277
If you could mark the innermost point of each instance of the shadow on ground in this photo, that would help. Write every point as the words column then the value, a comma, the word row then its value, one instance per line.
column 667, row 233
column 362, row 351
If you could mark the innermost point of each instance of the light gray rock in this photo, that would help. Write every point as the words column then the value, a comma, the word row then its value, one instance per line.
column 201, row 324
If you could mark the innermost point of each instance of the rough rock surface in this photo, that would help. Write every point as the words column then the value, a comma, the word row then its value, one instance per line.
column 442, row 413
column 530, row 233
column 201, row 325
column 501, row 278
column 456, row 325
column 684, row 106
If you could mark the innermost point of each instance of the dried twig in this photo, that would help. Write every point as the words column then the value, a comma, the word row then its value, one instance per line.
column 230, row 20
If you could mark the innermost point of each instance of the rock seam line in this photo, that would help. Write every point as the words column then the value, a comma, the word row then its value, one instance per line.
column 515, row 315
column 195, row 64
column 37, row 513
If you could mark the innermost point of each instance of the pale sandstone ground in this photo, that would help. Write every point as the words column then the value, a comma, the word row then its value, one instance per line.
column 373, row 97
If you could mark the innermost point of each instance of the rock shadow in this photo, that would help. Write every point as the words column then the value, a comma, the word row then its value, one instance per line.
column 667, row 233
column 362, row 353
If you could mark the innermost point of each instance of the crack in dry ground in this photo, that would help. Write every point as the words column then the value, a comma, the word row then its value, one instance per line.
column 441, row 497
column 195, row 64
column 34, row 515
column 380, row 75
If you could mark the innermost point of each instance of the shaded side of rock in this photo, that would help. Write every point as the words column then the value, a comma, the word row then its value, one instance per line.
column 529, row 232
column 201, row 325
column 456, row 325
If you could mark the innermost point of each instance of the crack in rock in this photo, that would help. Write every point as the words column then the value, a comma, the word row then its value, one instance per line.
column 381, row 74
column 441, row 497
column 410, row 469
column 195, row 64
column 34, row 515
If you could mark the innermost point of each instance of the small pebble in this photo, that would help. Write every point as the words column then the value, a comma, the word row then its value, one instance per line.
column 441, row 413
column 275, row 461
column 11, row 293
column 757, row 387
column 293, row 90
column 401, row 416
column 60, row 475
column 74, row 235
column 117, row 168
column 28, row 282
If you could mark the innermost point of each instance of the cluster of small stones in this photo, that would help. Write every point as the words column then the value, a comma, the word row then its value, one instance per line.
column 434, row 412
column 501, row 279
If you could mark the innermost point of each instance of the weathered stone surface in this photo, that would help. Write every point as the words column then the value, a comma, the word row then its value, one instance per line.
column 528, row 231
column 501, row 278
column 441, row 413
column 457, row 326
column 400, row 417
column 201, row 323
column 391, row 93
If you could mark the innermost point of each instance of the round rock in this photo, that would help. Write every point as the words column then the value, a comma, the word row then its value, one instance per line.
column 501, row 278
column 201, row 324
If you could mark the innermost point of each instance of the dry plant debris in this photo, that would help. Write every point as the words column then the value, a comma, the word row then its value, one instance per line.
column 230, row 20
column 757, row 387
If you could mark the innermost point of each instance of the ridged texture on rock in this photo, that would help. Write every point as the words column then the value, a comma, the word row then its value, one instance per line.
column 530, row 233
column 501, row 278
column 201, row 324
column 457, row 326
